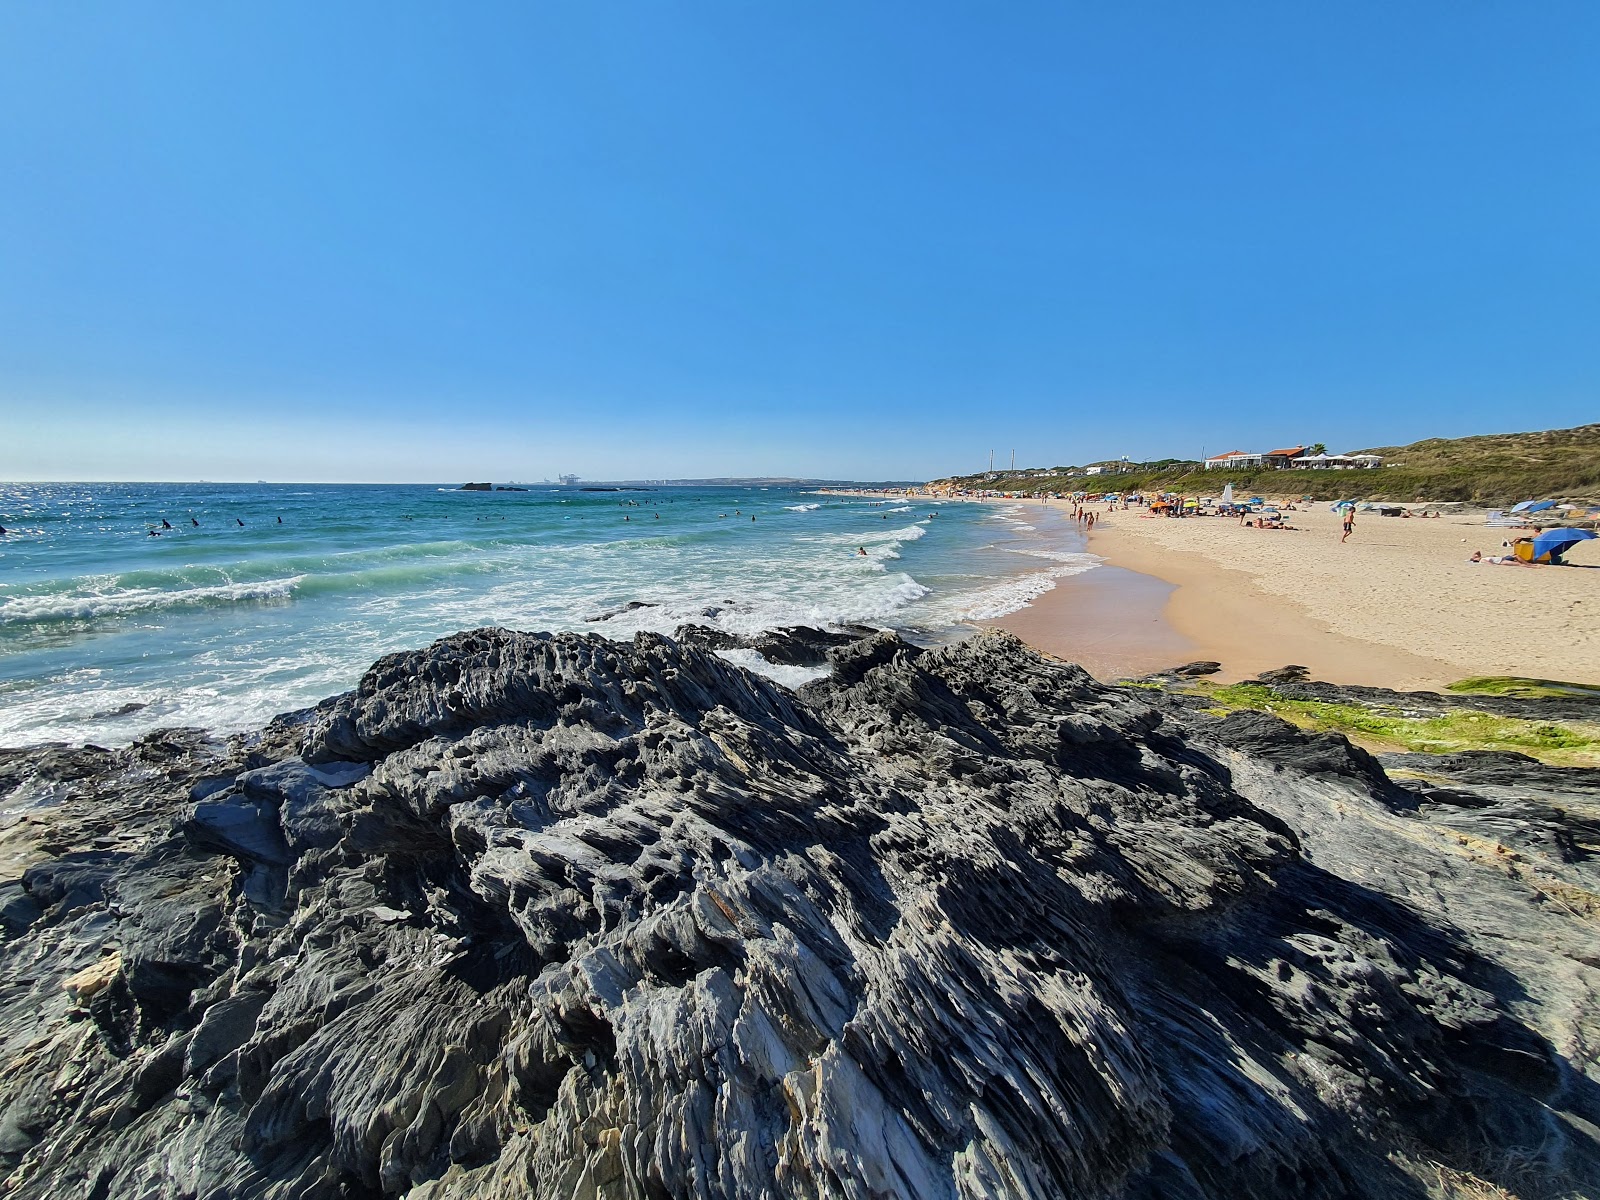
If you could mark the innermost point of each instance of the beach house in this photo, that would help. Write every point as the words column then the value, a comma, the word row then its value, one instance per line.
column 1234, row 460
column 1337, row 462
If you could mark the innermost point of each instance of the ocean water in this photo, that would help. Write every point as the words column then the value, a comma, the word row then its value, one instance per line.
column 107, row 632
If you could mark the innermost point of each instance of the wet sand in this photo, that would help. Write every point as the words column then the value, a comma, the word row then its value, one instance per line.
column 1110, row 620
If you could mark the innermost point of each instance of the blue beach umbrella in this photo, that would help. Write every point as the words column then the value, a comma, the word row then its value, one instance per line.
column 1558, row 540
column 1533, row 506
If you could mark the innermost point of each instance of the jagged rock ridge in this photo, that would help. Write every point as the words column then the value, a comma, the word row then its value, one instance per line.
column 558, row 916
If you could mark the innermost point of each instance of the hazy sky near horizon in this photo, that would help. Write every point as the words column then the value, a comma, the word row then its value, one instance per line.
column 399, row 241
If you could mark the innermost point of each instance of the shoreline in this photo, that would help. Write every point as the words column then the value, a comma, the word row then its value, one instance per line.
column 1229, row 620
column 1397, row 606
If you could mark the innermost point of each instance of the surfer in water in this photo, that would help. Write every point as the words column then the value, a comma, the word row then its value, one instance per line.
column 166, row 524
column 240, row 522
column 193, row 522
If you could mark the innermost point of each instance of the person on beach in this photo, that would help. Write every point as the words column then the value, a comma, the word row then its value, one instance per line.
column 1349, row 524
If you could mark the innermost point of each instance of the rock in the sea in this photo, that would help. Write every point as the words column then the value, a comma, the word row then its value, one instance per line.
column 530, row 915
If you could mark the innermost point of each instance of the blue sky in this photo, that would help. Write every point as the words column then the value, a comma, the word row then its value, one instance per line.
column 398, row 241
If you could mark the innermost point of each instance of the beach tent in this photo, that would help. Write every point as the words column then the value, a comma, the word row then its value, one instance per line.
column 1227, row 493
column 1554, row 541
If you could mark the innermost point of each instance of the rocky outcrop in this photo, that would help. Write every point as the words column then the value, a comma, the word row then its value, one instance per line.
column 558, row 916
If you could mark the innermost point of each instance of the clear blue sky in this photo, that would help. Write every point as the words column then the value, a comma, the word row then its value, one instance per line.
column 430, row 242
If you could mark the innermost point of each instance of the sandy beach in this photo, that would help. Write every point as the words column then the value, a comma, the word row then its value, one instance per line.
column 1398, row 605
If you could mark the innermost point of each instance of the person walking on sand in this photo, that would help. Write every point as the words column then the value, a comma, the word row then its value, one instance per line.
column 1349, row 523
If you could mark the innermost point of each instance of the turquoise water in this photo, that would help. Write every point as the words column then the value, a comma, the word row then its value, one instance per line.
column 107, row 632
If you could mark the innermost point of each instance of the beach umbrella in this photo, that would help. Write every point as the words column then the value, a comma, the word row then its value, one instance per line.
column 1558, row 540
column 1520, row 506
column 1541, row 506
column 1227, row 493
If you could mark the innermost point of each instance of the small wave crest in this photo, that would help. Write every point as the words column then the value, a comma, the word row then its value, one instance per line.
column 36, row 610
column 1008, row 595
column 801, row 507
column 909, row 533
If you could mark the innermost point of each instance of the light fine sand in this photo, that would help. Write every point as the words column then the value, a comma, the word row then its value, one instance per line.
column 1397, row 605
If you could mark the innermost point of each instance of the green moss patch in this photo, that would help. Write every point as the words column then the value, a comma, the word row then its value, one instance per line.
column 1564, row 743
column 1523, row 688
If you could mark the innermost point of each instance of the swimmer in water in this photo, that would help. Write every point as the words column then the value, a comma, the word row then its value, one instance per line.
column 862, row 552
column 280, row 520
column 154, row 532
column 166, row 524
column 240, row 523
column 193, row 522
column 3, row 531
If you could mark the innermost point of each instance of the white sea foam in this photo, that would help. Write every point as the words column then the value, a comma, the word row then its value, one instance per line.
column 1018, row 591
column 909, row 533
column 790, row 677
column 70, row 606
column 801, row 507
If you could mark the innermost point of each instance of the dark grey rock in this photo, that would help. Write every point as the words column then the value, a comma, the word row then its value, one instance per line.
column 557, row 916
column 1289, row 674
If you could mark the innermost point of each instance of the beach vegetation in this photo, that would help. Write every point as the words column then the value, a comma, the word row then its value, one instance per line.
column 1562, row 743
column 1494, row 470
column 1523, row 688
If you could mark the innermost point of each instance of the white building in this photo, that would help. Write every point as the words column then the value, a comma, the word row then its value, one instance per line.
column 1336, row 462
